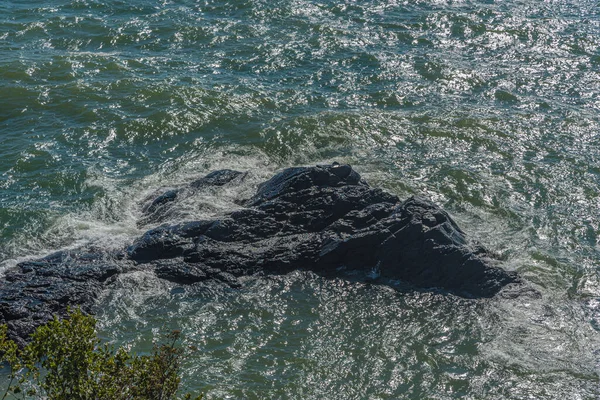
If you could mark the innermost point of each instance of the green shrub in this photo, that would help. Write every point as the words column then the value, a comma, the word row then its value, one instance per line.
column 65, row 361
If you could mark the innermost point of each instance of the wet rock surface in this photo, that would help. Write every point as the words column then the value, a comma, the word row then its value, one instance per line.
column 34, row 291
column 325, row 219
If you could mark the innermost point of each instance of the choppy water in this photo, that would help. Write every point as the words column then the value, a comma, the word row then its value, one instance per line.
column 490, row 108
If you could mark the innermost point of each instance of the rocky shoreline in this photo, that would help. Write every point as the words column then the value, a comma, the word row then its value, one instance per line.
column 325, row 219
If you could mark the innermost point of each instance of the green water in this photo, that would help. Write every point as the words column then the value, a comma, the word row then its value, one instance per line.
column 489, row 108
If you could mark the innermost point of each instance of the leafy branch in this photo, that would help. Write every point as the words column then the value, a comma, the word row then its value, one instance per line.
column 66, row 361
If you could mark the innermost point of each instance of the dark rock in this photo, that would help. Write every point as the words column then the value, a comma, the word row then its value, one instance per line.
column 160, row 201
column 217, row 178
column 186, row 273
column 34, row 291
column 159, row 207
column 325, row 219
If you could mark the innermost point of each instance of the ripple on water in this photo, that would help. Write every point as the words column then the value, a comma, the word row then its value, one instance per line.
column 491, row 109
column 302, row 335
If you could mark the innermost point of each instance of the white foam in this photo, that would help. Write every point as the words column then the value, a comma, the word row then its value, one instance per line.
column 111, row 221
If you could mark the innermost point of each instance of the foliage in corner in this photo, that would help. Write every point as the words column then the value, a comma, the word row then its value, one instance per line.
column 65, row 361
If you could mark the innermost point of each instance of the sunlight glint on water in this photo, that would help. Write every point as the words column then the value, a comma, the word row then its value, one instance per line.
column 489, row 108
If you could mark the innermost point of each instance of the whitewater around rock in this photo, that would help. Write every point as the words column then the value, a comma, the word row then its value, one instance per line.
column 325, row 219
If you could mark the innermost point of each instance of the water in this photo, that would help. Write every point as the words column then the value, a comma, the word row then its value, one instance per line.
column 489, row 108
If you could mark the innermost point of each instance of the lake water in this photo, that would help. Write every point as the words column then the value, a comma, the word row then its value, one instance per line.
column 490, row 108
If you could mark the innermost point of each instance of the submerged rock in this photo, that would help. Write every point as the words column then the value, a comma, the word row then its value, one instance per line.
column 159, row 208
column 324, row 219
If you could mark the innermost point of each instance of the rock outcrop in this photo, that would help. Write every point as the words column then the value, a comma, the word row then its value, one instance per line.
column 325, row 219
